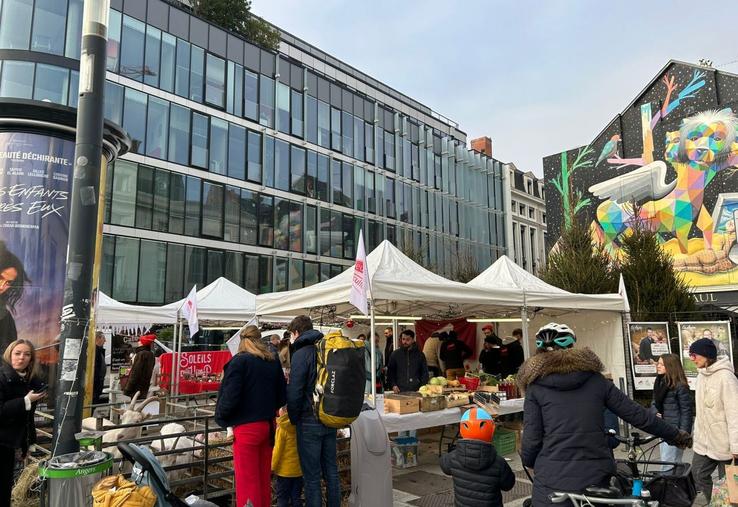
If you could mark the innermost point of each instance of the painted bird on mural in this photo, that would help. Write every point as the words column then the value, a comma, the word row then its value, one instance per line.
column 610, row 149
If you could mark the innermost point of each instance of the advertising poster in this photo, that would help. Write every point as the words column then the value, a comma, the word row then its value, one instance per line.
column 648, row 341
column 35, row 187
column 689, row 332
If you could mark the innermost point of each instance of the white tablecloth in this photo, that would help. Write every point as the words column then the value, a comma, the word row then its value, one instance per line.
column 418, row 420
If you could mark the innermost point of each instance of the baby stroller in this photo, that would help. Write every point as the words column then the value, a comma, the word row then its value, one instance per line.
column 148, row 471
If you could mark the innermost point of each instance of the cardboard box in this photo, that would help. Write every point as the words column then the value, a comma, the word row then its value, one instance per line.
column 401, row 404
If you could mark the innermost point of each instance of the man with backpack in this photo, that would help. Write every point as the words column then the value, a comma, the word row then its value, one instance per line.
column 316, row 442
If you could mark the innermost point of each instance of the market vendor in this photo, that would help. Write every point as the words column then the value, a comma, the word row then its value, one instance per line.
column 407, row 369
column 142, row 368
column 490, row 357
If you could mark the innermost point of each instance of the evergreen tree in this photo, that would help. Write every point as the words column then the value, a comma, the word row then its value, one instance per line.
column 235, row 15
column 654, row 289
column 576, row 264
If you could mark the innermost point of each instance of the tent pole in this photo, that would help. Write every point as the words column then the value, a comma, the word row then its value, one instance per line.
column 174, row 362
column 178, row 355
column 524, row 319
column 373, row 354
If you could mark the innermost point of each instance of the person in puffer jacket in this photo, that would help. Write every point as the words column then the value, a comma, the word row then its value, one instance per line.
column 480, row 475
column 716, row 424
column 672, row 402
column 564, row 437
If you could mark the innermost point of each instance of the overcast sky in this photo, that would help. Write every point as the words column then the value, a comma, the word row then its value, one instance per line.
column 537, row 76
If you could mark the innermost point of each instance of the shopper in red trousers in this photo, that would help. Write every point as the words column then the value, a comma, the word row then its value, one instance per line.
column 252, row 391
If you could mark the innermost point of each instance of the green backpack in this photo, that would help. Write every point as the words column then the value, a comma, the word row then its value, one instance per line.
column 339, row 389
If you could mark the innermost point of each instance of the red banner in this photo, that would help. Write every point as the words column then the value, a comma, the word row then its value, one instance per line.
column 467, row 331
column 196, row 364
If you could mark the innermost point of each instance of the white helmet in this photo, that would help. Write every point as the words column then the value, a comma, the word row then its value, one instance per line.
column 554, row 336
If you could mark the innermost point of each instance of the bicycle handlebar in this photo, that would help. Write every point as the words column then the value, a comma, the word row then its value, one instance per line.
column 634, row 440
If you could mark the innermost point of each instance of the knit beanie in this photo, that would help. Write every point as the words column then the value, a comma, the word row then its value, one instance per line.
column 147, row 339
column 704, row 347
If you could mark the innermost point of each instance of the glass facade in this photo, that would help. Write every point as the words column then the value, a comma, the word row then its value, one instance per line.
column 256, row 167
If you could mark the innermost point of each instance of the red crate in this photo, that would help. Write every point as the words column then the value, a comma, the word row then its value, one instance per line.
column 471, row 383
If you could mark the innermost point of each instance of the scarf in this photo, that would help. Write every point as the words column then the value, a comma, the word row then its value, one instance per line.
column 660, row 390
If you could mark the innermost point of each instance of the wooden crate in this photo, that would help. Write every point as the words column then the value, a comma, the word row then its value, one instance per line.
column 459, row 402
column 432, row 403
column 401, row 404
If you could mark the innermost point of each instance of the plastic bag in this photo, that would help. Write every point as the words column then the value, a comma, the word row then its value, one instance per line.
column 116, row 491
column 720, row 494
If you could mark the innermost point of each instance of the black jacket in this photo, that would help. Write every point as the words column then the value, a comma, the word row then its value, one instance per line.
column 140, row 377
column 564, row 438
column 453, row 353
column 303, row 375
column 678, row 408
column 253, row 389
column 514, row 357
column 490, row 361
column 100, row 370
column 407, row 369
column 480, row 474
column 17, row 430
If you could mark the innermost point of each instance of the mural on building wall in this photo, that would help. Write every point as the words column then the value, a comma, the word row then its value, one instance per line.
column 669, row 161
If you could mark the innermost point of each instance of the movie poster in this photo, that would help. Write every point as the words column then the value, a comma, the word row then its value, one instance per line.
column 35, row 187
column 689, row 332
column 648, row 341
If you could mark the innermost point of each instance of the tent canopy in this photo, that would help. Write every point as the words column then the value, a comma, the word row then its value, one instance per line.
column 222, row 301
column 399, row 287
column 110, row 313
column 505, row 274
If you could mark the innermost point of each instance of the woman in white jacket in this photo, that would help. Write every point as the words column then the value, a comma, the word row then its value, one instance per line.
column 716, row 426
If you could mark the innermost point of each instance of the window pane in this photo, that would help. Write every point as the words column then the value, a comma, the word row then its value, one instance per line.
column 123, row 208
column 336, row 175
column 74, row 94
column 161, row 201
column 311, row 119
column 312, row 173
column 179, row 135
column 323, row 175
column 176, row 203
column 359, row 188
column 297, row 164
column 324, row 124
column 311, row 229
column 251, row 272
column 282, row 165
column 248, row 217
column 108, row 264
column 212, row 209
column 48, row 26
column 254, row 157
column 336, row 270
column 283, row 108
column 325, row 271
column 197, row 70
column 296, row 268
column 280, row 274
column 17, row 79
column 348, row 237
column 266, row 101
column 310, row 270
column 266, row 220
column 389, row 194
column 215, row 265
column 348, row 185
column 132, row 49
column 199, row 155
column 234, row 267
column 358, row 138
column 281, row 223
column 152, row 55
column 236, row 151
column 182, row 77
column 296, row 113
column 145, row 197
column 134, row 118
column 194, row 268
column 74, row 29
column 168, row 61
column 152, row 275
column 335, row 129
column 336, row 234
column 175, row 272
column 369, row 142
column 215, row 83
column 113, row 100
column 157, row 128
column 14, row 29
column 125, row 274
column 325, row 231
column 192, row 207
column 52, row 84
column 371, row 199
column 347, row 130
column 251, row 95
column 268, row 174
column 389, row 150
column 218, row 145
column 113, row 46
column 232, row 212
column 295, row 226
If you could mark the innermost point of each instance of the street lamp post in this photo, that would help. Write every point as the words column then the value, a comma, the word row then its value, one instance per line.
column 89, row 167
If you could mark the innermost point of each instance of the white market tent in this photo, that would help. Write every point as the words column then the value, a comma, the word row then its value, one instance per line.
column 221, row 301
column 595, row 318
column 117, row 316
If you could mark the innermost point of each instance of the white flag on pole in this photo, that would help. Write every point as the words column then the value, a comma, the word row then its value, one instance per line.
column 360, row 280
column 189, row 311
column 624, row 294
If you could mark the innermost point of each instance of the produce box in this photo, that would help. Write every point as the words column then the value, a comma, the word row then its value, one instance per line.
column 435, row 389
column 505, row 441
column 432, row 403
column 404, row 452
column 457, row 400
column 401, row 404
column 488, row 389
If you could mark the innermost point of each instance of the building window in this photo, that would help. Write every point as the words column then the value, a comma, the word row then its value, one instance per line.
column 297, row 124
column 179, row 134
column 195, row 267
column 168, row 62
column 280, row 274
column 347, row 133
column 175, row 272
column 182, row 74
column 311, row 119
column 521, row 209
column 132, row 48
column 336, row 234
column 324, row 124
column 297, row 172
column 197, row 73
column 296, row 226
column 323, row 178
column 358, row 138
column 389, row 194
column 335, row 129
column 52, row 84
column 192, row 206
column 311, row 229
column 283, row 108
column 15, row 30
column 251, row 273
column 249, row 231
column 543, row 218
column 160, row 220
column 531, row 213
column 282, row 165
column 113, row 100
column 236, row 151
column 123, row 208
column 125, row 271
column 310, row 270
column 268, row 164
column 296, row 273
column 232, row 202
column 199, row 153
column 336, row 180
column 266, row 102
column 281, row 223
column 325, row 232
column 266, row 220
column 212, row 209
column 152, row 56
column 152, row 272
column 215, row 81
column 134, row 118
column 218, row 145
column 348, row 185
column 234, row 267
column 49, row 18
column 177, row 187
column 251, row 95
column 157, row 127
column 254, row 157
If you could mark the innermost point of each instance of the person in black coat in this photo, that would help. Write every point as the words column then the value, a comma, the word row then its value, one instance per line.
column 513, row 354
column 144, row 361
column 100, row 368
column 20, row 390
column 672, row 402
column 453, row 353
column 564, row 437
column 251, row 393
column 489, row 357
column 407, row 368
column 480, row 474
column 13, row 278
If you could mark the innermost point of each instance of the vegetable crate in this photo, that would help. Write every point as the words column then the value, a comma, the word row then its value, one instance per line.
column 504, row 441
column 471, row 383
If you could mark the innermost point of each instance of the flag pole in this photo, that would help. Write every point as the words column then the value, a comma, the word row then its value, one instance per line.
column 373, row 344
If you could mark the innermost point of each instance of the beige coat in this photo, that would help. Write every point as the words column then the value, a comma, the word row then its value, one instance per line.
column 716, row 426
column 431, row 348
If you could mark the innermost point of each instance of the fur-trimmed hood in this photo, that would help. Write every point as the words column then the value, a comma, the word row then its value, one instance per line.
column 560, row 369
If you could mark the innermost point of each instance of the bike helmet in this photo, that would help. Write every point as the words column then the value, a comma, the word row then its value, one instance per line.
column 554, row 336
column 477, row 424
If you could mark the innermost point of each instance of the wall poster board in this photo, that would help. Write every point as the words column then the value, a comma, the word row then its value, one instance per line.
column 648, row 341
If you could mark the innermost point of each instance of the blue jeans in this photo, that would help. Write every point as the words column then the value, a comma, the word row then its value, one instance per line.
column 670, row 453
column 316, row 445
column 289, row 491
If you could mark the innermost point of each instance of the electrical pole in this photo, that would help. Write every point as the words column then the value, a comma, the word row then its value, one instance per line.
column 89, row 165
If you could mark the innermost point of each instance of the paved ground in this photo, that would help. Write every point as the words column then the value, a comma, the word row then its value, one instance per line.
column 427, row 486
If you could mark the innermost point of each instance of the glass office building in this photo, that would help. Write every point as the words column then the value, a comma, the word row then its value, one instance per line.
column 255, row 165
